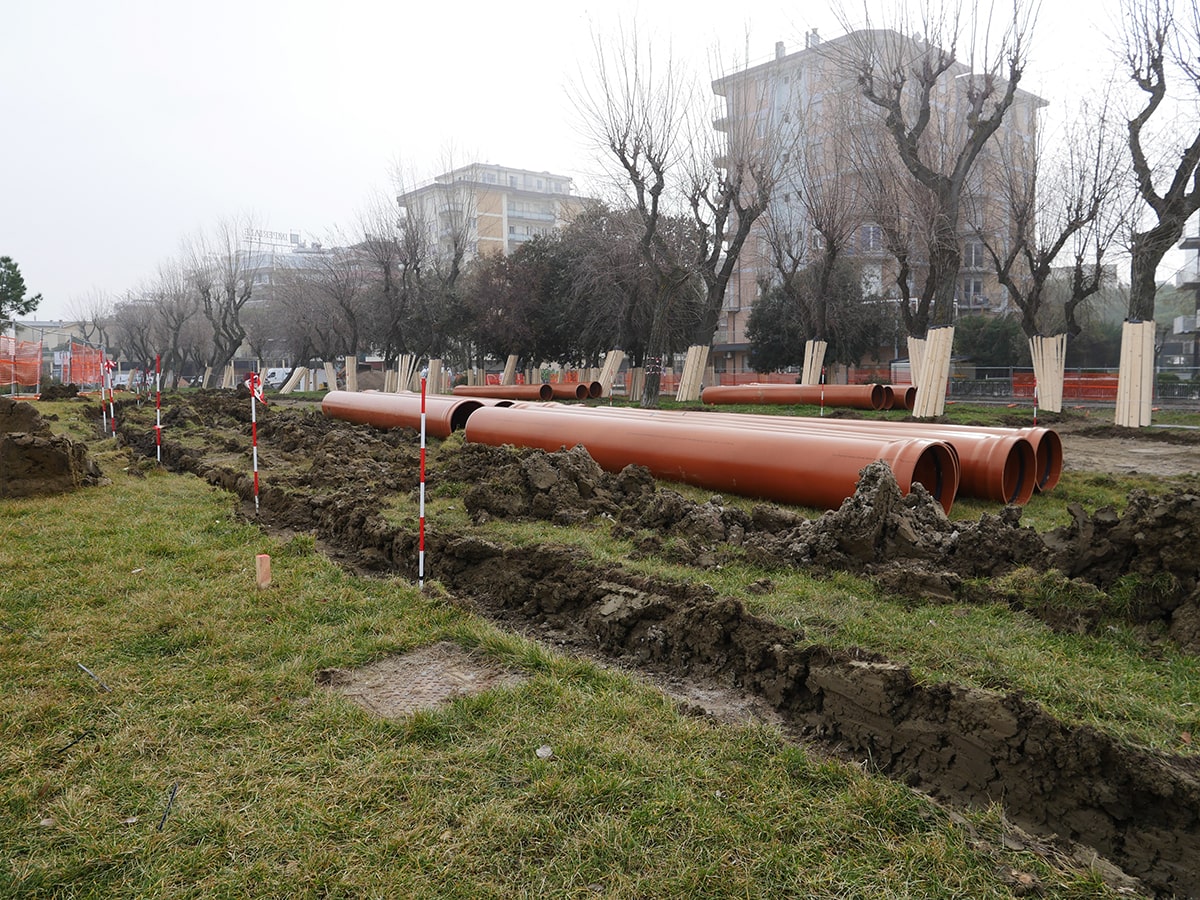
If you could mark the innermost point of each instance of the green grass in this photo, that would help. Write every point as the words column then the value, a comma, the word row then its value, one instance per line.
column 285, row 789
column 1111, row 680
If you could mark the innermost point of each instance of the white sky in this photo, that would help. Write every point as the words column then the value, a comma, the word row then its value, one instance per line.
column 130, row 125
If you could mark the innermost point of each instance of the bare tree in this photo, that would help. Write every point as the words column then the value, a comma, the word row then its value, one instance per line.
column 1161, row 48
column 156, row 321
column 133, row 327
column 816, row 210
column 902, row 208
column 92, row 315
column 1056, row 203
column 940, row 112
column 727, row 189
column 221, row 272
column 696, row 203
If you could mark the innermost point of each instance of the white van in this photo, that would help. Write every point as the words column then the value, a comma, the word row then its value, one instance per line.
column 274, row 378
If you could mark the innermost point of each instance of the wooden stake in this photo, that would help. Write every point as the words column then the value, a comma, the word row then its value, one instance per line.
column 262, row 569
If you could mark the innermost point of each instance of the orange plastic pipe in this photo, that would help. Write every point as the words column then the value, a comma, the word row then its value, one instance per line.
column 507, row 391
column 817, row 469
column 1046, row 442
column 854, row 396
column 443, row 414
column 568, row 391
column 991, row 467
column 999, row 465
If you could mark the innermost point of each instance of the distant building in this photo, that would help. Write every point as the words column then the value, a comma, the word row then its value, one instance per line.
column 496, row 208
column 809, row 104
column 1186, row 329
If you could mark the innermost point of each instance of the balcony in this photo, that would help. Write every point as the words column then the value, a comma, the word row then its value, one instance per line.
column 530, row 216
column 1188, row 277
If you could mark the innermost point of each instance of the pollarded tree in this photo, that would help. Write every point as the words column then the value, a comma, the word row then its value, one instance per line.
column 220, row 270
column 1161, row 50
column 1161, row 53
column 13, row 299
column 1057, row 204
column 814, row 216
column 696, row 202
column 939, row 112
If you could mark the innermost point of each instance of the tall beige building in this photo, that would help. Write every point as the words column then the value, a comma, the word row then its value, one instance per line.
column 496, row 208
column 808, row 106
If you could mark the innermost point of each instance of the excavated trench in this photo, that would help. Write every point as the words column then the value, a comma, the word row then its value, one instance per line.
column 1137, row 808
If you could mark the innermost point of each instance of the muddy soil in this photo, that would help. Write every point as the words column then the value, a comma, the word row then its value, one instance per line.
column 1137, row 808
column 34, row 461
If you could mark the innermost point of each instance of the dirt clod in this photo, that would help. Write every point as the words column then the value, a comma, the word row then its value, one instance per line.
column 33, row 461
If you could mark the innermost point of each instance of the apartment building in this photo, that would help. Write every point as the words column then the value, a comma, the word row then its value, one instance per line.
column 807, row 105
column 495, row 208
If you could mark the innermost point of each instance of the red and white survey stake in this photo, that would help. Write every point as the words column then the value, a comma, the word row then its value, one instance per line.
column 109, row 365
column 254, row 383
column 158, row 407
column 421, row 531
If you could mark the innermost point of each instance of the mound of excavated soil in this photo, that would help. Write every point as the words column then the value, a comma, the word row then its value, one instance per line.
column 1140, row 809
column 34, row 461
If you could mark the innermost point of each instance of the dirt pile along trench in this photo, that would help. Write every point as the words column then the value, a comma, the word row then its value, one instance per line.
column 33, row 460
column 1138, row 808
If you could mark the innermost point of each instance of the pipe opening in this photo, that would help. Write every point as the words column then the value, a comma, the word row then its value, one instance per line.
column 934, row 471
column 461, row 412
column 1018, row 473
column 1050, row 460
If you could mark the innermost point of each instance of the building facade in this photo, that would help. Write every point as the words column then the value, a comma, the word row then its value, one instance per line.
column 837, row 172
column 494, row 209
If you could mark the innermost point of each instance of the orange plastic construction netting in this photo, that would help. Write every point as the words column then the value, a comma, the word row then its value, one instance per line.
column 85, row 365
column 20, row 362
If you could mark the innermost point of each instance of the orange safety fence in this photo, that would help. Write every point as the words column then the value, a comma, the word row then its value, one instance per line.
column 735, row 378
column 20, row 362
column 1076, row 385
column 85, row 365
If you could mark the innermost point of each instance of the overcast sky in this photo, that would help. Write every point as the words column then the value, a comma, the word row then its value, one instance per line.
column 130, row 125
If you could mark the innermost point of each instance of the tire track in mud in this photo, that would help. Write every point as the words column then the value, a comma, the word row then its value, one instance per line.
column 1134, row 807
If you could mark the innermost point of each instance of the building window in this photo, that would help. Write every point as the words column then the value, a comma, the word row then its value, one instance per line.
column 871, row 239
column 972, row 255
column 972, row 292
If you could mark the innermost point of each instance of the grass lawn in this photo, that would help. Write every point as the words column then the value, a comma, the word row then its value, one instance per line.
column 202, row 685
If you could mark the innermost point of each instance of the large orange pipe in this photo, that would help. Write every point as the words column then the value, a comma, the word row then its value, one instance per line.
column 507, row 391
column 854, row 396
column 994, row 465
column 567, row 391
column 997, row 465
column 705, row 419
column 818, row 469
column 908, row 393
column 1046, row 443
column 443, row 414
column 1025, row 460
